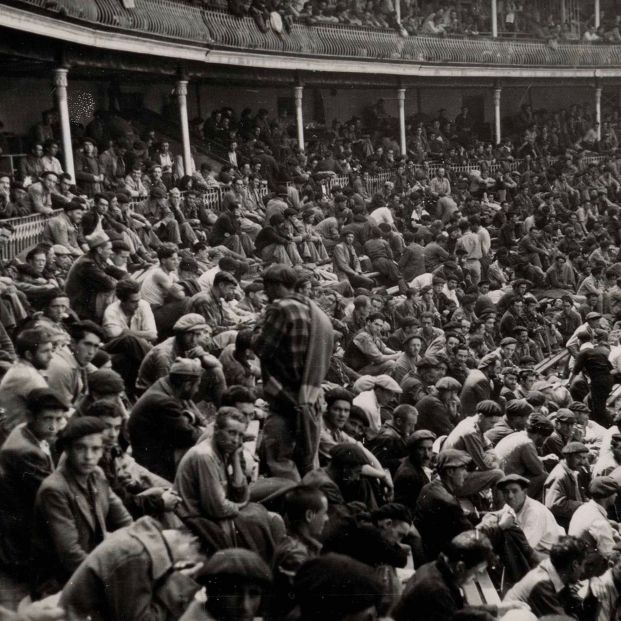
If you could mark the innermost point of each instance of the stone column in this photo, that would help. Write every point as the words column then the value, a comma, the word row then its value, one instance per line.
column 298, row 93
column 494, row 17
column 401, row 100
column 598, row 110
column 596, row 10
column 182, row 99
column 497, row 117
column 60, row 85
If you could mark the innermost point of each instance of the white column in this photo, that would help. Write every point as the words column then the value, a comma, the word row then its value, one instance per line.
column 182, row 99
column 398, row 11
column 401, row 100
column 596, row 8
column 598, row 111
column 298, row 92
column 494, row 18
column 497, row 127
column 60, row 85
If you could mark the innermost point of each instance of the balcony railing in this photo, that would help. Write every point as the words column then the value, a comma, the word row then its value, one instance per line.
column 213, row 27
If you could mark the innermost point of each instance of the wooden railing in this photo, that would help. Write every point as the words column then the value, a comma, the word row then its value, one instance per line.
column 188, row 23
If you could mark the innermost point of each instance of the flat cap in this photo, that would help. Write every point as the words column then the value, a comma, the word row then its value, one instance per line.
column 508, row 340
column 280, row 273
column 578, row 406
column 427, row 362
column 348, row 455
column 420, row 436
column 602, row 487
column 593, row 315
column 452, row 458
column 41, row 398
column 540, row 424
column 519, row 329
column 386, row 382
column 59, row 249
column 488, row 360
column 565, row 416
column 513, row 478
column 105, row 382
column 448, row 383
column 79, row 427
column 572, row 448
column 190, row 323
column 236, row 563
column 519, row 407
column 96, row 239
column 186, row 366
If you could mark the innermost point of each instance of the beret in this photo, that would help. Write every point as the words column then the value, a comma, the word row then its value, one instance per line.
column 190, row 322
column 448, row 383
column 41, row 398
column 519, row 407
column 602, row 487
column 236, row 563
column 186, row 366
column 513, row 478
column 157, row 192
column 79, row 427
column 358, row 414
column 280, row 273
column 420, row 436
column 452, row 458
column 105, row 382
column 573, row 448
column 348, row 454
column 386, row 382
column 96, row 239
column 334, row 586
column 565, row 416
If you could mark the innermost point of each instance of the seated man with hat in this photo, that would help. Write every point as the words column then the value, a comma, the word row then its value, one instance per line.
column 64, row 228
column 564, row 422
column 469, row 436
column 590, row 523
column 533, row 518
column 515, row 419
column 439, row 412
column 562, row 493
column 517, row 453
column 414, row 472
column 367, row 354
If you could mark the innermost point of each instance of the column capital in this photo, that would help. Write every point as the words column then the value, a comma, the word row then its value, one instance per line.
column 298, row 92
column 497, row 94
column 181, row 89
column 401, row 94
column 60, row 77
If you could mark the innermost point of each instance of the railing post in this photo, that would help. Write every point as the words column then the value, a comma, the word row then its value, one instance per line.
column 182, row 99
column 598, row 110
column 494, row 14
column 401, row 100
column 60, row 85
column 398, row 11
column 497, row 118
column 298, row 93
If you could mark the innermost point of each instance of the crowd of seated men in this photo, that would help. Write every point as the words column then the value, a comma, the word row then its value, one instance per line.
column 269, row 409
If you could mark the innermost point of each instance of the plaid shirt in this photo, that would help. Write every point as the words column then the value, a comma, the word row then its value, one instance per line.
column 282, row 347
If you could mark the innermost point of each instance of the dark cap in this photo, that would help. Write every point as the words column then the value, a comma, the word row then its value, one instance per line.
column 513, row 478
column 602, row 487
column 79, row 427
column 519, row 407
column 578, row 406
column 538, row 423
column 348, row 455
column 452, row 458
column 565, row 416
column 105, row 382
column 280, row 273
column 41, row 398
column 593, row 315
column 236, row 563
column 508, row 340
column 573, row 448
column 420, row 436
column 157, row 192
column 427, row 362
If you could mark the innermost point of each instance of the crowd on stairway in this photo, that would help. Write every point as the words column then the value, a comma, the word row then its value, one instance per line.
column 321, row 397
